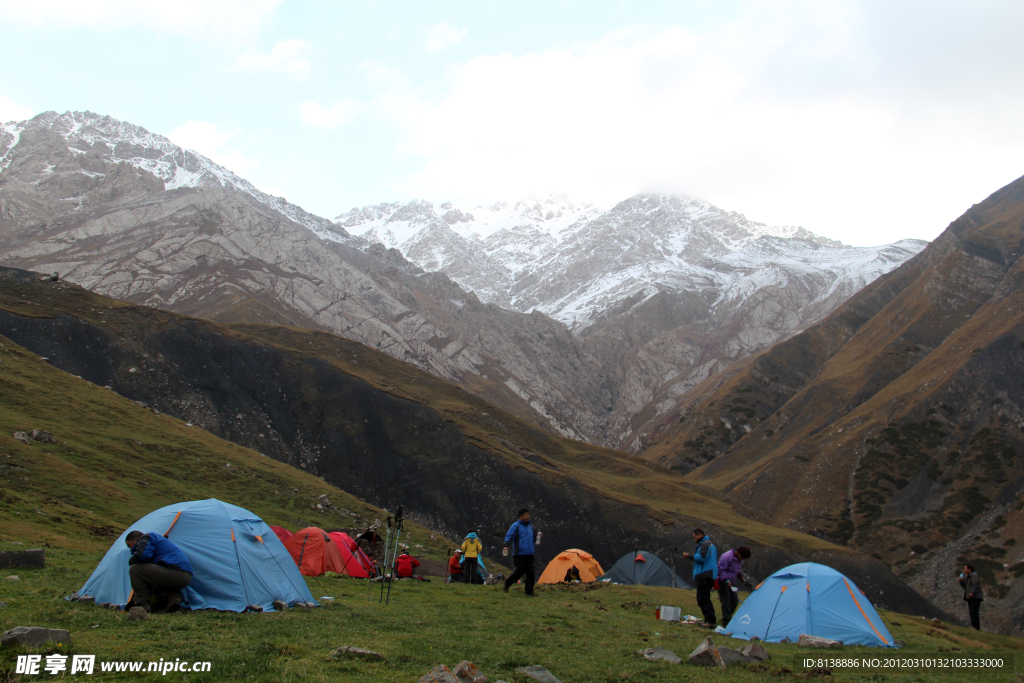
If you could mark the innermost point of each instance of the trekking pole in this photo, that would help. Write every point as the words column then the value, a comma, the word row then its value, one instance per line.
column 399, row 522
column 383, row 574
column 447, row 564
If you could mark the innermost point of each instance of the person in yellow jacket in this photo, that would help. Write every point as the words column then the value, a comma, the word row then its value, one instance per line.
column 471, row 549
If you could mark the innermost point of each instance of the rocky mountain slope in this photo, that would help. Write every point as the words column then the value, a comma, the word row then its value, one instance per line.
column 661, row 291
column 388, row 432
column 896, row 425
column 126, row 213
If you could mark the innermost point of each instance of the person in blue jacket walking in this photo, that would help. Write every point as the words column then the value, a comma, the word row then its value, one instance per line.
column 156, row 564
column 520, row 537
column 705, row 574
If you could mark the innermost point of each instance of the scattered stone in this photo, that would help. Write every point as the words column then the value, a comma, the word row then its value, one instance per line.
column 538, row 673
column 755, row 639
column 34, row 558
column 52, row 277
column 706, row 654
column 324, row 501
column 35, row 636
column 87, row 600
column 137, row 614
column 730, row 656
column 280, row 605
column 468, row 672
column 155, row 411
column 785, row 641
column 255, row 608
column 22, row 437
column 12, row 577
column 2, row 604
column 357, row 652
column 310, row 605
column 755, row 651
column 439, row 674
column 660, row 654
column 43, row 435
column 816, row 641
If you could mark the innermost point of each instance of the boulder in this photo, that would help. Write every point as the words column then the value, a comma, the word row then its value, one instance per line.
column 13, row 577
column 43, row 435
column 22, row 437
column 756, row 652
column 468, row 672
column 35, row 636
column 356, row 653
column 34, row 558
column 538, row 673
column 730, row 656
column 706, row 654
column 137, row 614
column 660, row 654
column 816, row 641
column 439, row 674
column 280, row 605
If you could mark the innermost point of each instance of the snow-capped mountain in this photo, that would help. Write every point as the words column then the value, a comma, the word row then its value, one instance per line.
column 742, row 285
column 175, row 166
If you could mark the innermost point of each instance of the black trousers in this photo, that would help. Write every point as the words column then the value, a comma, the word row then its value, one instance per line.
column 469, row 570
column 972, row 609
column 730, row 601
column 147, row 577
column 522, row 565
column 707, row 608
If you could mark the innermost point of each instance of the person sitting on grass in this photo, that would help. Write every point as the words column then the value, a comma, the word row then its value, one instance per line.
column 405, row 565
column 454, row 568
column 156, row 565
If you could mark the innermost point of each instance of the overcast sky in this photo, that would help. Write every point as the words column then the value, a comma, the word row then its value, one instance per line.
column 863, row 121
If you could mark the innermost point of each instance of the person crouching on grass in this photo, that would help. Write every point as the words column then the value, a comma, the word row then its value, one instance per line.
column 156, row 565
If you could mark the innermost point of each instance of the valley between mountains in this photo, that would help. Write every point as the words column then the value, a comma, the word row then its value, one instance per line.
column 862, row 406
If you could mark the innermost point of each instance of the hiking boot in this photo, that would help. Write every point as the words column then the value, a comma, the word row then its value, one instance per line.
column 530, row 595
column 504, row 587
column 174, row 605
column 705, row 624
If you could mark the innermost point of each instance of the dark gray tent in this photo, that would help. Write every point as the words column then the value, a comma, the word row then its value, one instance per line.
column 644, row 569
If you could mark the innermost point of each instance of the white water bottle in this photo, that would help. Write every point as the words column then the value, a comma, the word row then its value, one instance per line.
column 539, row 534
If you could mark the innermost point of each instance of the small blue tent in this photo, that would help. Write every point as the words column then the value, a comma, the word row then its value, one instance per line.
column 813, row 599
column 238, row 559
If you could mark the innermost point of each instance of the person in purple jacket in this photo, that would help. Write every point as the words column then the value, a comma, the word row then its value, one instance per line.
column 730, row 574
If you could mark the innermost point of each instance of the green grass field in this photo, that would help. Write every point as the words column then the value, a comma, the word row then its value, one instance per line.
column 579, row 635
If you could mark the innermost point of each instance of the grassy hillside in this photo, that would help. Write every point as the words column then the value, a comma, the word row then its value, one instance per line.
column 115, row 461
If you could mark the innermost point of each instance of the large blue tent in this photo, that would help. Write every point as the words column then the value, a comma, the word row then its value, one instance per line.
column 238, row 559
column 810, row 599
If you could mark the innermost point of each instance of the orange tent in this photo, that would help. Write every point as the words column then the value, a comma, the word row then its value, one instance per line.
column 314, row 552
column 589, row 568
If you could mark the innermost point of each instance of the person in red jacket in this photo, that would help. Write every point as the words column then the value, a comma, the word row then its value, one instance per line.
column 454, row 568
column 405, row 565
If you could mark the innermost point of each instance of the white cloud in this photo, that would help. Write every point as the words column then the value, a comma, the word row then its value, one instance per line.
column 203, row 19
column 286, row 57
column 443, row 36
column 210, row 141
column 331, row 116
column 12, row 111
column 793, row 116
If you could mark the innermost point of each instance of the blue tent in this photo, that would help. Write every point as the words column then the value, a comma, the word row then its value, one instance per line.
column 238, row 560
column 812, row 599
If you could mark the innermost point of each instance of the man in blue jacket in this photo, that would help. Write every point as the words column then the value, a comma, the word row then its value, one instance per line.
column 705, row 574
column 156, row 564
column 520, row 538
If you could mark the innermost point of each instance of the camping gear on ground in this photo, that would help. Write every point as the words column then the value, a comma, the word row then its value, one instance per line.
column 282, row 533
column 391, row 552
column 237, row 560
column 588, row 567
column 357, row 564
column 314, row 552
column 644, row 569
column 811, row 599
column 667, row 613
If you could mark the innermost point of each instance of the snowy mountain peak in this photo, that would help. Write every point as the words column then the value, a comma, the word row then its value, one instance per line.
column 175, row 166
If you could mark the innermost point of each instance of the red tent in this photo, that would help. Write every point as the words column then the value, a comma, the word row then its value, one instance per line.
column 282, row 533
column 357, row 564
column 314, row 552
